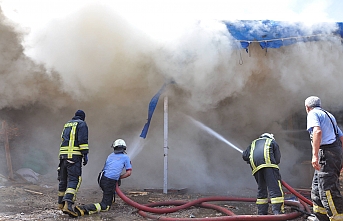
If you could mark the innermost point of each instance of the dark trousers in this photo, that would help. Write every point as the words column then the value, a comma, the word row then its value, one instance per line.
column 69, row 179
column 325, row 194
column 108, row 188
column 269, row 180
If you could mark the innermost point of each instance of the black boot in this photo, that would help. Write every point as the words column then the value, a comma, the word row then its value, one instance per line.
column 322, row 217
column 60, row 206
column 277, row 208
column 262, row 209
column 60, row 202
column 68, row 209
column 80, row 211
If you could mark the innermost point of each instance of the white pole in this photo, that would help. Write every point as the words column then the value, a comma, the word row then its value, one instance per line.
column 165, row 177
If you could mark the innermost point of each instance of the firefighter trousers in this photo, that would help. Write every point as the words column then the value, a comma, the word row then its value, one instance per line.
column 108, row 188
column 269, row 180
column 69, row 179
column 325, row 194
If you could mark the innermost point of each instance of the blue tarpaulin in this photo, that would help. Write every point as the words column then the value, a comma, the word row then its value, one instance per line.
column 275, row 34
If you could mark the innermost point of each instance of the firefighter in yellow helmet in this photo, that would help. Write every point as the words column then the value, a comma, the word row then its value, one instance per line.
column 74, row 148
column 264, row 155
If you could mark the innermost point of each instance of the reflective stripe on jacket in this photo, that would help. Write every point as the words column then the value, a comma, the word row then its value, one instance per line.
column 263, row 152
column 74, row 138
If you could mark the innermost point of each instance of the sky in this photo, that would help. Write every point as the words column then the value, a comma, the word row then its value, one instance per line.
column 109, row 58
column 161, row 19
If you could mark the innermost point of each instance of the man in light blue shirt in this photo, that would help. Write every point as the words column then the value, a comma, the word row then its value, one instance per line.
column 319, row 118
column 327, row 160
column 111, row 174
column 115, row 164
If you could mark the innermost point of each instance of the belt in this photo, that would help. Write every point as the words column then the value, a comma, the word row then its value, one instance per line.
column 324, row 146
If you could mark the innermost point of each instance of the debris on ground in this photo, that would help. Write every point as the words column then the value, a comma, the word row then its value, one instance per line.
column 27, row 201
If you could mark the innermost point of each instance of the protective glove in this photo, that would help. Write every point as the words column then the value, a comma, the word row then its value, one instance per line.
column 119, row 182
column 85, row 159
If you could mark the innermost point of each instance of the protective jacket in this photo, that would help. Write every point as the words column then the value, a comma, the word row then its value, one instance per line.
column 263, row 152
column 264, row 155
column 74, row 139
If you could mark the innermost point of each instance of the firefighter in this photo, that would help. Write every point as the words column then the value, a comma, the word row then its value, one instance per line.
column 264, row 155
column 74, row 148
column 108, row 178
column 327, row 160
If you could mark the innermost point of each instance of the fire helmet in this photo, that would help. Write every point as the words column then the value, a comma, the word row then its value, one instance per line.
column 268, row 135
column 119, row 146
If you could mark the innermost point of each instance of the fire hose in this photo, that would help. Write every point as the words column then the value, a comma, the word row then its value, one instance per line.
column 300, row 207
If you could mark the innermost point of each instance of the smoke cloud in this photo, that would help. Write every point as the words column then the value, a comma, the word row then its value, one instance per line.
column 97, row 61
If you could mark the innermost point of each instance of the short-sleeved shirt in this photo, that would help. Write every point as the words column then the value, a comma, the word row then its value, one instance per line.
column 317, row 117
column 115, row 164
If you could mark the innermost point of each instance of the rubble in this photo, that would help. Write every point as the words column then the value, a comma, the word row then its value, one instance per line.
column 29, row 175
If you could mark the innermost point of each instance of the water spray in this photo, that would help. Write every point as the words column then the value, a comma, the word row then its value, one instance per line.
column 135, row 148
column 212, row 132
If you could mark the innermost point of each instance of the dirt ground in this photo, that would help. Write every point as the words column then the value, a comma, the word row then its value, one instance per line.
column 24, row 201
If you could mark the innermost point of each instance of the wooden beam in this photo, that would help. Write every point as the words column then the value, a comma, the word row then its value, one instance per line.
column 34, row 192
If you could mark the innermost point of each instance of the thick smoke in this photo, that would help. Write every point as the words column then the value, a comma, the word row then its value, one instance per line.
column 97, row 61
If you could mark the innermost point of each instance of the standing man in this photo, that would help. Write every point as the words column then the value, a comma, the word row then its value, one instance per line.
column 264, row 155
column 74, row 148
column 327, row 160
column 111, row 174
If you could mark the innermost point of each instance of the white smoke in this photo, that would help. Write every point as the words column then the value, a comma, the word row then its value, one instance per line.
column 97, row 60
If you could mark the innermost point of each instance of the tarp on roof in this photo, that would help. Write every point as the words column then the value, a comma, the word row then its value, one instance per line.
column 275, row 34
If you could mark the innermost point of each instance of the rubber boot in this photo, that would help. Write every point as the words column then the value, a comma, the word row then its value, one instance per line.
column 262, row 209
column 90, row 209
column 60, row 202
column 60, row 206
column 277, row 208
column 322, row 217
column 80, row 211
column 68, row 209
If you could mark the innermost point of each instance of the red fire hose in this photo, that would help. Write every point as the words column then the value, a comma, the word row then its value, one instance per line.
column 309, row 202
column 231, row 217
column 178, row 205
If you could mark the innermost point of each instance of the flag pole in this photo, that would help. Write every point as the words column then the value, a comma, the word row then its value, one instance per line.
column 165, row 175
